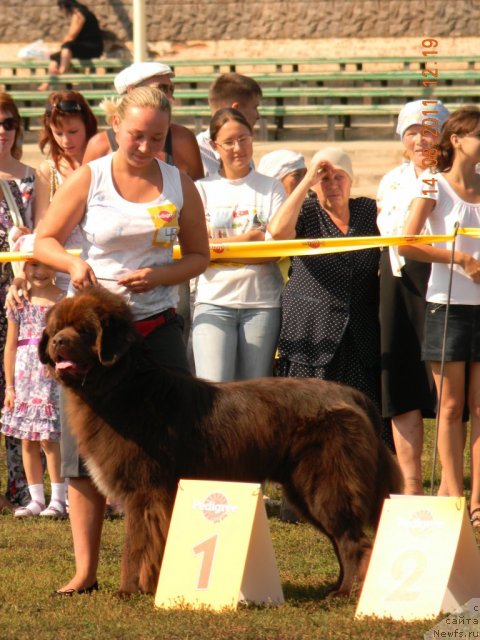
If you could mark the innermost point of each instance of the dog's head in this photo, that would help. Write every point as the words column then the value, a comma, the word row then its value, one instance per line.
column 90, row 330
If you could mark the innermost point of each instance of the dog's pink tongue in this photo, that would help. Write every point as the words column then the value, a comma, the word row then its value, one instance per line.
column 65, row 364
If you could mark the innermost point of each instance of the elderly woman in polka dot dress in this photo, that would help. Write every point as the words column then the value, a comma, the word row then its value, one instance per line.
column 330, row 326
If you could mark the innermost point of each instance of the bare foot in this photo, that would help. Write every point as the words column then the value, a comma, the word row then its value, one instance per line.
column 43, row 87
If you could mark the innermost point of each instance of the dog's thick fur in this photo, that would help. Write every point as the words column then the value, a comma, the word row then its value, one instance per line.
column 141, row 428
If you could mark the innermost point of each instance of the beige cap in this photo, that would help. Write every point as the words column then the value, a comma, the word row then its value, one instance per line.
column 414, row 113
column 278, row 164
column 337, row 157
column 138, row 72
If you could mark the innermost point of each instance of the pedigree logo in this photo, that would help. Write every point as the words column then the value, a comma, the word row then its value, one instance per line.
column 215, row 507
column 313, row 244
column 166, row 216
column 217, row 248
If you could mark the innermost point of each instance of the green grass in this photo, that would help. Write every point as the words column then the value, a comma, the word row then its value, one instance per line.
column 36, row 558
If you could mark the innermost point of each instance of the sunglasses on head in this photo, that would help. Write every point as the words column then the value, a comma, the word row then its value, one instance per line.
column 9, row 124
column 65, row 106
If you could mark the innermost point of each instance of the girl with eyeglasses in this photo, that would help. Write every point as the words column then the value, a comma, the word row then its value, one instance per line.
column 237, row 306
column 20, row 183
column 447, row 195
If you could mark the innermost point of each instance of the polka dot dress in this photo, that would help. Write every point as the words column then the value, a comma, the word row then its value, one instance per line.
column 330, row 327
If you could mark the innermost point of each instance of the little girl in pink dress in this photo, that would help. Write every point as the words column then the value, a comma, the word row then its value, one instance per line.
column 31, row 412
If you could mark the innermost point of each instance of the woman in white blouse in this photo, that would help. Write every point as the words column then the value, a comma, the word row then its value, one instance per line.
column 237, row 306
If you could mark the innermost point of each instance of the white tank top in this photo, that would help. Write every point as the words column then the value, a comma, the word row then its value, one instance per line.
column 121, row 236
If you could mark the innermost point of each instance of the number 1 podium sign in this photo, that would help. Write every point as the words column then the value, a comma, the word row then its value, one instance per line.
column 219, row 550
column 425, row 560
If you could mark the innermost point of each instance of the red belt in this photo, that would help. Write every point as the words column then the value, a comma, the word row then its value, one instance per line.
column 149, row 324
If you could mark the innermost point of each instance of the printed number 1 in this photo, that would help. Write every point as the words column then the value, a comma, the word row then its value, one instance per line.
column 207, row 547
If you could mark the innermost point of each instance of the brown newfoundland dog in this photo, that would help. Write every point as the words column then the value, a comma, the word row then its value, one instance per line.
column 141, row 428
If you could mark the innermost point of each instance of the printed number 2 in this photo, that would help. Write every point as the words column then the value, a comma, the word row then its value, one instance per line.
column 407, row 568
column 207, row 547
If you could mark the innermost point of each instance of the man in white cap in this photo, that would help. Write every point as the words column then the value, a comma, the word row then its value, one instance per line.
column 181, row 148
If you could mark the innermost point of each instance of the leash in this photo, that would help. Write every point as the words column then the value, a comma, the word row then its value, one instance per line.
column 442, row 364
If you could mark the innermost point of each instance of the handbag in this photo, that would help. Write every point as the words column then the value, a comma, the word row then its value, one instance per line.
column 18, row 227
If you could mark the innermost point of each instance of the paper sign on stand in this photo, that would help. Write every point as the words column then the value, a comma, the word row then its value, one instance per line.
column 425, row 560
column 219, row 550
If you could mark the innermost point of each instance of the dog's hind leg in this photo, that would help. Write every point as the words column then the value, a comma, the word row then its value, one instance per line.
column 340, row 524
column 330, row 493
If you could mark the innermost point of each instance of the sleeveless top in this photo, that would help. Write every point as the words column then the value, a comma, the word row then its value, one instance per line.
column 75, row 239
column 120, row 236
column 90, row 31
column 168, row 145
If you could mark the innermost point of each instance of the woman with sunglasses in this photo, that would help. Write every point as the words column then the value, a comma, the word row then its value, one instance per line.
column 449, row 196
column 128, row 249
column 19, row 180
column 237, row 306
column 67, row 125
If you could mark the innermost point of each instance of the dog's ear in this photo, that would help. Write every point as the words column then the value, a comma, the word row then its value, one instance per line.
column 43, row 349
column 114, row 339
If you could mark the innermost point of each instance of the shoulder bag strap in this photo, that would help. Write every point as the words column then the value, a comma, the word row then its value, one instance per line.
column 12, row 205
column 53, row 180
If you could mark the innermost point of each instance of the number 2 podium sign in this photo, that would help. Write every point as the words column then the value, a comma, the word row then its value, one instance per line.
column 219, row 550
column 425, row 560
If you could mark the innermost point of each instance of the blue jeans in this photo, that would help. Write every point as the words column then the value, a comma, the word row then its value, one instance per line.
column 234, row 344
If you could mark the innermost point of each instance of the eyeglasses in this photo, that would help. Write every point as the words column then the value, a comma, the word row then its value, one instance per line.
column 65, row 106
column 168, row 89
column 9, row 124
column 229, row 145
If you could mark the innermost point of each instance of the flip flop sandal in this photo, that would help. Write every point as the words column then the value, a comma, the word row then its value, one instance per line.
column 56, row 509
column 475, row 517
column 30, row 510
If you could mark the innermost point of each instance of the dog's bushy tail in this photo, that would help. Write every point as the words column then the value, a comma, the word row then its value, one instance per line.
column 389, row 477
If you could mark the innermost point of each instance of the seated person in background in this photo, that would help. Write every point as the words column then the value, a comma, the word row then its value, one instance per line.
column 83, row 40
column 284, row 165
column 229, row 90
column 181, row 149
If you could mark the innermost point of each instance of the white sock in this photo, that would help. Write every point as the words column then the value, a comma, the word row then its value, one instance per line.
column 37, row 493
column 58, row 491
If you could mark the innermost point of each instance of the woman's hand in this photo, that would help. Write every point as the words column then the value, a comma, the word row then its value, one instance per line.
column 141, row 280
column 317, row 171
column 16, row 294
column 81, row 274
column 470, row 265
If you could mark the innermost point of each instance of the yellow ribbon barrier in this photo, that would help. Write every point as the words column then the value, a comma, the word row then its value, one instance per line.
column 289, row 248
column 318, row 246
column 20, row 256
